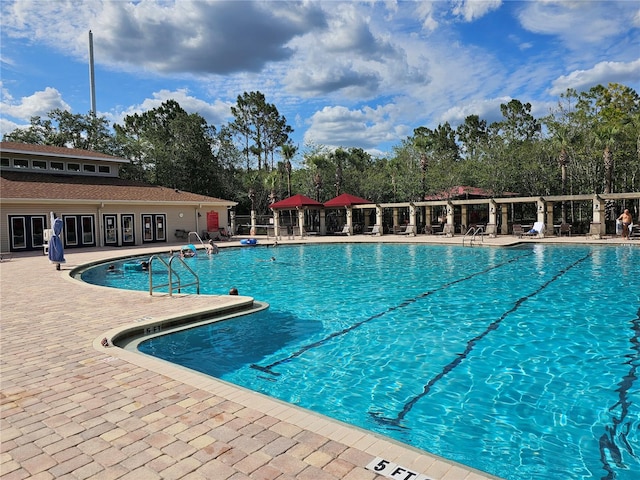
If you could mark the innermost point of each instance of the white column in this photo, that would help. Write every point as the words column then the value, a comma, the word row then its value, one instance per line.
column 323, row 226
column 252, row 232
column 598, row 213
column 350, row 220
column 540, row 208
column 301, row 221
column 276, row 224
column 450, row 214
column 412, row 216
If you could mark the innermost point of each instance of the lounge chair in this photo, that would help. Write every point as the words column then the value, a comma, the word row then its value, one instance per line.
column 536, row 231
column 375, row 230
column 428, row 229
column 447, row 230
column 517, row 230
column 345, row 231
column 565, row 229
column 410, row 230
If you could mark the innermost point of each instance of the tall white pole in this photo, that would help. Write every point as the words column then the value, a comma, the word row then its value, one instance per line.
column 92, row 80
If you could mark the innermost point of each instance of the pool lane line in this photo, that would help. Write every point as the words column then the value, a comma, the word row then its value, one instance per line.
column 607, row 442
column 395, row 421
column 268, row 368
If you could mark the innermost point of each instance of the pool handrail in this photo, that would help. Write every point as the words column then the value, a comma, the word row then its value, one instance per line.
column 170, row 282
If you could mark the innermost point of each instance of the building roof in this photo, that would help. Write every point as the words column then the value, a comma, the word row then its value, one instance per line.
column 296, row 201
column 40, row 186
column 61, row 152
column 345, row 200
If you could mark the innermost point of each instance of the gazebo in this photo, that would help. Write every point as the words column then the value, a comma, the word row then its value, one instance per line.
column 300, row 203
column 346, row 201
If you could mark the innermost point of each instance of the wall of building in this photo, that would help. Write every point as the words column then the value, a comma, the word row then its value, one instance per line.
column 84, row 217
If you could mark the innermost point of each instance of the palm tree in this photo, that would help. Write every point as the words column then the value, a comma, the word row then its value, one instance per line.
column 288, row 152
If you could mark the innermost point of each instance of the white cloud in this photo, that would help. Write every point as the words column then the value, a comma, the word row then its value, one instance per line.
column 425, row 12
column 214, row 113
column 38, row 104
column 578, row 22
column 365, row 128
column 487, row 109
column 473, row 9
column 601, row 74
column 7, row 126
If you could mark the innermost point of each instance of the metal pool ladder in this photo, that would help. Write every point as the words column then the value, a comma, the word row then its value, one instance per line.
column 471, row 233
column 174, row 282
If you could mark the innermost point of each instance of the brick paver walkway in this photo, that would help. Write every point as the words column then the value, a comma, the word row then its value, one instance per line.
column 71, row 408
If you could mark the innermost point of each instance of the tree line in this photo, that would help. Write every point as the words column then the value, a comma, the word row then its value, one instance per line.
column 588, row 143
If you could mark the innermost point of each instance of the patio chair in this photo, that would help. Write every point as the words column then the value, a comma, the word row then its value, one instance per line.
column 448, row 230
column 375, row 230
column 517, row 230
column 565, row 229
column 428, row 229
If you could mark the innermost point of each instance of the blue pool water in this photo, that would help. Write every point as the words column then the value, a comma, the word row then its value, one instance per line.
column 521, row 362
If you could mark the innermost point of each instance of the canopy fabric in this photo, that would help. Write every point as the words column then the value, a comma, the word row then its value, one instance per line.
column 345, row 200
column 296, row 201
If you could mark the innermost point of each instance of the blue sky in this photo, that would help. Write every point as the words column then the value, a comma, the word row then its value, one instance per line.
column 350, row 74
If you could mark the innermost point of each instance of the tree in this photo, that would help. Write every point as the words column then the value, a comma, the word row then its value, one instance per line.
column 564, row 133
column 260, row 127
column 288, row 152
column 174, row 149
column 64, row 129
column 439, row 151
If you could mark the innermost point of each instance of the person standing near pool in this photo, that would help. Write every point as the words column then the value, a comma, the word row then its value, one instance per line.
column 626, row 220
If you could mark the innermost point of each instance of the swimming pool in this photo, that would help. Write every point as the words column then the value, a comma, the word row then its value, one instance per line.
column 521, row 362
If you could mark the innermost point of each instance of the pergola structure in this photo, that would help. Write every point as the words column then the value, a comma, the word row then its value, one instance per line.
column 299, row 203
column 347, row 201
column 497, row 209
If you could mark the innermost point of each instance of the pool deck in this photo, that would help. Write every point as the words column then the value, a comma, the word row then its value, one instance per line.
column 71, row 408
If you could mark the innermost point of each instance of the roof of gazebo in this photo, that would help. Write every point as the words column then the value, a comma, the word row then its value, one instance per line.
column 296, row 201
column 345, row 200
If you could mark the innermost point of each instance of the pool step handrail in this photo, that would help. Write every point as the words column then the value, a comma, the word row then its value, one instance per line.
column 171, row 283
column 471, row 233
column 197, row 236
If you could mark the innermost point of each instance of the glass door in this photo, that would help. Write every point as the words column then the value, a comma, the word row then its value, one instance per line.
column 160, row 221
column 147, row 228
column 110, row 230
column 70, row 231
column 18, row 233
column 128, row 237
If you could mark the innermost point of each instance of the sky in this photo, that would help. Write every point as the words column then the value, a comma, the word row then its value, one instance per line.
column 343, row 73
